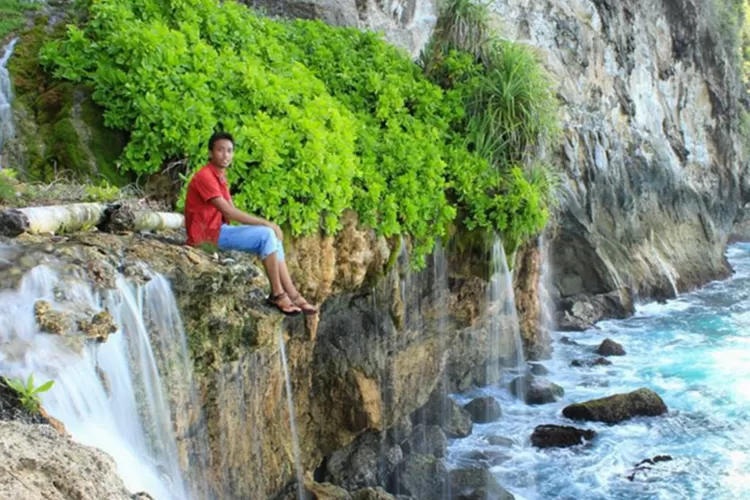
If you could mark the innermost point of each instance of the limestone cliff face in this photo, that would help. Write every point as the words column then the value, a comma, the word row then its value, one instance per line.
column 652, row 154
column 652, row 151
column 387, row 336
column 405, row 23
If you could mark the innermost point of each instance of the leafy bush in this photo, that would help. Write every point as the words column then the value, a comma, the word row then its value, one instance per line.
column 510, row 118
column 28, row 395
column 324, row 118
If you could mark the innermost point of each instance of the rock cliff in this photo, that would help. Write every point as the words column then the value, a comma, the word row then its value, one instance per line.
column 653, row 151
column 386, row 338
column 653, row 147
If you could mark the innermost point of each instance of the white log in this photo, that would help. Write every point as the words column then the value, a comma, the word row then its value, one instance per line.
column 79, row 217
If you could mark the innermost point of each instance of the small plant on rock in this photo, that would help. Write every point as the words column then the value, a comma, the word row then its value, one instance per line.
column 27, row 393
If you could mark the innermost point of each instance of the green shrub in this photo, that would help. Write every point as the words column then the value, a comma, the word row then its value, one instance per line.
column 510, row 118
column 324, row 118
column 28, row 394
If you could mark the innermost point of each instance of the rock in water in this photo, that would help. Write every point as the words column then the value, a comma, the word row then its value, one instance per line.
column 443, row 411
column 422, row 477
column 536, row 391
column 610, row 348
column 559, row 436
column 617, row 408
column 643, row 464
column 483, row 410
column 579, row 363
column 39, row 462
column 427, row 440
column 538, row 369
column 476, row 484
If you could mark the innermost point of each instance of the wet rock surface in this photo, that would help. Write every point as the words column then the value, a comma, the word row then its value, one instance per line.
column 609, row 347
column 367, row 462
column 536, row 391
column 588, row 363
column 426, row 440
column 476, row 484
column 422, row 477
column 40, row 463
column 617, row 408
column 442, row 411
column 646, row 465
column 484, row 409
column 557, row 436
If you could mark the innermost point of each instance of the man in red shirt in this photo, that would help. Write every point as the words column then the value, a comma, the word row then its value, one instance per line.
column 208, row 212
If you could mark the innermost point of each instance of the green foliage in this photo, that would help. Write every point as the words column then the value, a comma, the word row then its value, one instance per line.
column 12, row 14
column 8, row 186
column 324, row 118
column 28, row 394
column 101, row 193
column 510, row 118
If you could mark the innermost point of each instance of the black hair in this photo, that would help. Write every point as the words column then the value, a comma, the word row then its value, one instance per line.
column 218, row 136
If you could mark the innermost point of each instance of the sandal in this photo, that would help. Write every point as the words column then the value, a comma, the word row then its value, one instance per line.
column 306, row 307
column 290, row 310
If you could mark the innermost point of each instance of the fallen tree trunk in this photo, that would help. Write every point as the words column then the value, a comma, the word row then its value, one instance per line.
column 51, row 220
column 123, row 218
column 60, row 219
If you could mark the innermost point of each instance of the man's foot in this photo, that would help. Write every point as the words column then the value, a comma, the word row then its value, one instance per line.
column 306, row 307
column 283, row 304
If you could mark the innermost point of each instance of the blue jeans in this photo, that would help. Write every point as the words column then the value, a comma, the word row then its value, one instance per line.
column 259, row 240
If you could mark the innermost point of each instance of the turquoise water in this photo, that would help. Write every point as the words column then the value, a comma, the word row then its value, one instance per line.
column 695, row 352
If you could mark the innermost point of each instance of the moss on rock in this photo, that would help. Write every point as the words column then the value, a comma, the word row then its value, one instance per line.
column 59, row 129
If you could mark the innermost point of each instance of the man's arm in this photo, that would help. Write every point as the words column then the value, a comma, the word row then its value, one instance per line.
column 231, row 213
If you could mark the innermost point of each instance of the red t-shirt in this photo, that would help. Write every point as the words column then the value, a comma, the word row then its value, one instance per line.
column 203, row 220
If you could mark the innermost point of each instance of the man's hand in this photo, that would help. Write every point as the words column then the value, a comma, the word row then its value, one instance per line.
column 277, row 230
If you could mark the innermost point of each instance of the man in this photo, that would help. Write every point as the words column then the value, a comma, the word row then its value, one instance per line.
column 208, row 212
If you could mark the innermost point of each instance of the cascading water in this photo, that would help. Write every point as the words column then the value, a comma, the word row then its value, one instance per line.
column 6, row 98
column 109, row 395
column 292, row 419
column 668, row 271
column 504, row 336
column 545, row 288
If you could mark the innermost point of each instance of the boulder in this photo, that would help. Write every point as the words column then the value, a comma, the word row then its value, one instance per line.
column 500, row 441
column 422, row 477
column 617, row 408
column 360, row 464
column 443, row 411
column 580, row 363
column 558, row 436
column 484, row 409
column 476, row 484
column 427, row 440
column 536, row 391
column 581, row 312
column 538, row 369
column 610, row 348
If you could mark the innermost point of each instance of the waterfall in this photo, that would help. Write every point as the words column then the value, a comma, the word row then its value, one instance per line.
column 546, row 285
column 504, row 336
column 292, row 419
column 6, row 98
column 668, row 271
column 115, row 395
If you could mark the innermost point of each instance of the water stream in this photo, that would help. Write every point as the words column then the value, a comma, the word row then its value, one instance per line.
column 695, row 352
column 6, row 98
column 113, row 395
column 504, row 337
column 292, row 419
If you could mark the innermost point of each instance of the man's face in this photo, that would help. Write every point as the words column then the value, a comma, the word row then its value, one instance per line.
column 222, row 153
